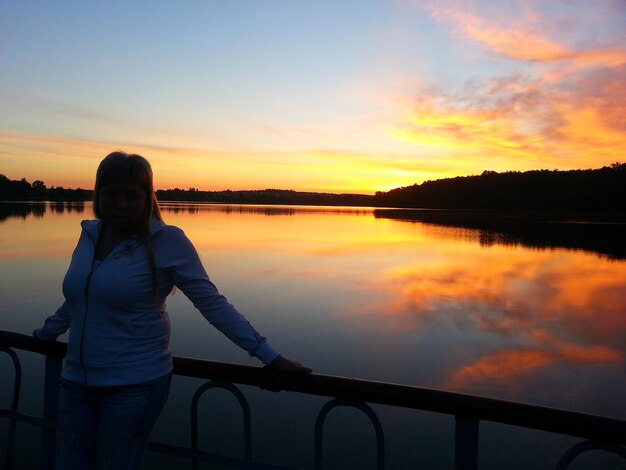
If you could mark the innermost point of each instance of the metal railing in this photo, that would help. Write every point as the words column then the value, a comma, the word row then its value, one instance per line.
column 597, row 432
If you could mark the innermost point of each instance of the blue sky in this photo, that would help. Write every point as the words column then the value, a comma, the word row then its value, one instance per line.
column 342, row 96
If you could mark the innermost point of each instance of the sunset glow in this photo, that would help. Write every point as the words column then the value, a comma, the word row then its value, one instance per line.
column 321, row 96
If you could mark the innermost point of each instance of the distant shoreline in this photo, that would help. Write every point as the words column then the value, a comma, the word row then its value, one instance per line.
column 580, row 193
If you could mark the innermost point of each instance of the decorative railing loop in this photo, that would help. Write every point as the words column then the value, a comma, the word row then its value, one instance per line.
column 319, row 429
column 587, row 446
column 245, row 409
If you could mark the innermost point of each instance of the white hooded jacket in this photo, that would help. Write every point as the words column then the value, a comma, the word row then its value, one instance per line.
column 119, row 327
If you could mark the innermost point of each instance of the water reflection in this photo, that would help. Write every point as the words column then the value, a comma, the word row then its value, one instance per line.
column 192, row 208
column 534, row 302
column 495, row 308
column 38, row 208
column 605, row 237
column 465, row 306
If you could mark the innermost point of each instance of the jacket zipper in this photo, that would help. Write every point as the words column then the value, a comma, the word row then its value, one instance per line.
column 82, row 333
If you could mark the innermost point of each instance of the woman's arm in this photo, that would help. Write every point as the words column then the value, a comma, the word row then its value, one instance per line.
column 55, row 325
column 190, row 277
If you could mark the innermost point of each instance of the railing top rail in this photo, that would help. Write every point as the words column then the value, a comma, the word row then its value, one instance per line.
column 11, row 339
column 571, row 423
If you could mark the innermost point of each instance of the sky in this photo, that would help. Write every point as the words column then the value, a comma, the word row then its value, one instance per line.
column 345, row 96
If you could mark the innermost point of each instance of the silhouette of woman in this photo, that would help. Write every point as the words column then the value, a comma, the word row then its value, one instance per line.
column 117, row 373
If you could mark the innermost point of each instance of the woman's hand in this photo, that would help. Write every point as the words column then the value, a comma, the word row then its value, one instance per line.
column 285, row 365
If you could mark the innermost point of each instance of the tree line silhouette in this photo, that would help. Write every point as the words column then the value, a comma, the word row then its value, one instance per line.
column 265, row 196
column 582, row 191
column 593, row 191
column 22, row 190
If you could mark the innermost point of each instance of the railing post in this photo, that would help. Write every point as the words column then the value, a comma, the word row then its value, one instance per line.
column 14, row 410
column 50, row 409
column 466, row 443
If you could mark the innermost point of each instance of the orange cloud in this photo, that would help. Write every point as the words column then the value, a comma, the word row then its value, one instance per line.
column 440, row 122
column 607, row 58
column 516, row 41
column 523, row 35
column 526, row 44
column 565, row 110
column 518, row 123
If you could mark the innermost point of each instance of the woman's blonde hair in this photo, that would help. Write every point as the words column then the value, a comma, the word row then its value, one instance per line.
column 122, row 167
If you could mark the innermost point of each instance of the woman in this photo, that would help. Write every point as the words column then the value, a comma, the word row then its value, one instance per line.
column 117, row 372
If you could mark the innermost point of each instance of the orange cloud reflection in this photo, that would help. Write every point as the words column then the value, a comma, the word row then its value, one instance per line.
column 543, row 307
column 507, row 366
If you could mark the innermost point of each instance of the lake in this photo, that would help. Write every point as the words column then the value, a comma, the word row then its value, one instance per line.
column 529, row 310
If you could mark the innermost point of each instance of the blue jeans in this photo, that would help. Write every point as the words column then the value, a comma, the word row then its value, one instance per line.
column 107, row 427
